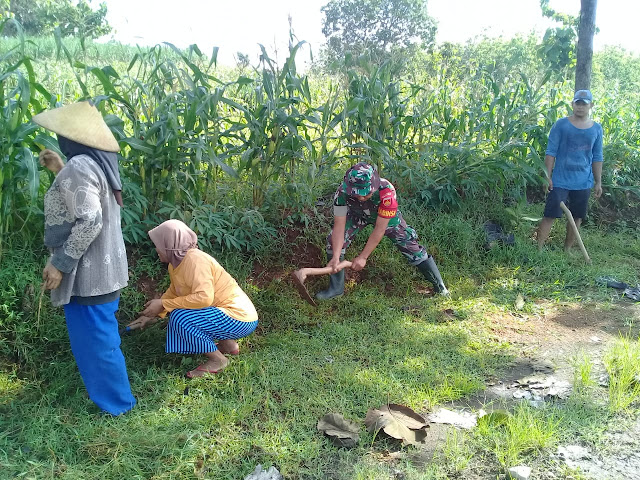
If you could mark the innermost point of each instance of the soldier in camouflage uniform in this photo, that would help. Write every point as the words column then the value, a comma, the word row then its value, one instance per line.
column 364, row 199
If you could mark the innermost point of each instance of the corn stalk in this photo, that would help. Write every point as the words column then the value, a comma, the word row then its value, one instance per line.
column 19, row 176
column 273, row 130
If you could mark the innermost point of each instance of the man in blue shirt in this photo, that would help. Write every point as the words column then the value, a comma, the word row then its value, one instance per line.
column 574, row 166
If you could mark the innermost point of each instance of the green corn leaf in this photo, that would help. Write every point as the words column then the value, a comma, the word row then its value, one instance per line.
column 30, row 163
column 242, row 81
column 225, row 168
column 44, row 141
column 137, row 144
column 133, row 61
column 214, row 57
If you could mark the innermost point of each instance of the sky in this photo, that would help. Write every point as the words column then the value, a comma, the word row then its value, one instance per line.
column 240, row 25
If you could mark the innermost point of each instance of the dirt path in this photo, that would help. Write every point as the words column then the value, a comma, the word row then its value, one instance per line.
column 549, row 344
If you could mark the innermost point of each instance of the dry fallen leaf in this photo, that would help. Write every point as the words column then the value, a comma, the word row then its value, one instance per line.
column 399, row 422
column 341, row 431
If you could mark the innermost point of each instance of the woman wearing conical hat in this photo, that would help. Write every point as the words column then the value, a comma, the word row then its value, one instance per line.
column 88, row 263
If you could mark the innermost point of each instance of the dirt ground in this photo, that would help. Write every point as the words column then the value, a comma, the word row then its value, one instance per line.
column 544, row 371
column 549, row 344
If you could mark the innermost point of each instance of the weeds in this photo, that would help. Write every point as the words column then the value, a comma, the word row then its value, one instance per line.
column 523, row 433
column 381, row 342
column 622, row 362
column 582, row 373
column 457, row 451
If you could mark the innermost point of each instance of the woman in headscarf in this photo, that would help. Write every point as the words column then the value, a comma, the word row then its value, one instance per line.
column 205, row 304
column 88, row 263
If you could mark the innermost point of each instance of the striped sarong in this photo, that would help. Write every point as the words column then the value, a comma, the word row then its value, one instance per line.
column 197, row 330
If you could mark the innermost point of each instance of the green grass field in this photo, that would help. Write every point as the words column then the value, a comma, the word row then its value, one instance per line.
column 381, row 342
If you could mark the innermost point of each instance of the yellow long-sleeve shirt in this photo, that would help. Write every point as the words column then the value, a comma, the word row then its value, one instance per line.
column 200, row 282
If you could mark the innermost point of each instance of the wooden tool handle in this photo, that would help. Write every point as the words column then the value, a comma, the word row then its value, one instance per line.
column 323, row 270
column 573, row 226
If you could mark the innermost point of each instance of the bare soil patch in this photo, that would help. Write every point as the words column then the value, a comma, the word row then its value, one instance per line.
column 554, row 339
column 298, row 253
column 548, row 343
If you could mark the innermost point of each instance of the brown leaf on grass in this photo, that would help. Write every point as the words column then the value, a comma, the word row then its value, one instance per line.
column 340, row 431
column 399, row 422
column 449, row 314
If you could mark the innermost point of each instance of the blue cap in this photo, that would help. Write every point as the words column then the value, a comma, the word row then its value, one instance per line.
column 584, row 95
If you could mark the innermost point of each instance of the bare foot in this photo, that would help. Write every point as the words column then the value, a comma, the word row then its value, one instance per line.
column 209, row 367
column 229, row 347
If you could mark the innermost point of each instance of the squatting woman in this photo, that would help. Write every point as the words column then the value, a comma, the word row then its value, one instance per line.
column 207, row 309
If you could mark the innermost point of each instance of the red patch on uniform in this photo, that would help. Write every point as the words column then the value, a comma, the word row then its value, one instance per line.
column 386, row 202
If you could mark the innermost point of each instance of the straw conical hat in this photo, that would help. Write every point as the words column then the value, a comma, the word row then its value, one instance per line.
column 80, row 122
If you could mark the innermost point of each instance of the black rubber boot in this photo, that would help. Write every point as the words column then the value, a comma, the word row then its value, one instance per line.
column 430, row 271
column 336, row 286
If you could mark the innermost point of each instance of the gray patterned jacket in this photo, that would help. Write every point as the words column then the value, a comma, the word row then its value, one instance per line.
column 83, row 232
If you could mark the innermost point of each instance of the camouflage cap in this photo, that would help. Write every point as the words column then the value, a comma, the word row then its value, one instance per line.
column 361, row 179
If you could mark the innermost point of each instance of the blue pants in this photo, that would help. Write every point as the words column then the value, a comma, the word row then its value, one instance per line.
column 95, row 343
column 196, row 330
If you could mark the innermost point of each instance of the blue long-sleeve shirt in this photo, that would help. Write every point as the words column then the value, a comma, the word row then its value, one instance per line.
column 575, row 149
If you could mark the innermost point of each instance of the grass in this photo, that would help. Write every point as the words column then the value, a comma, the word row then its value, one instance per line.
column 622, row 362
column 523, row 433
column 583, row 367
column 381, row 342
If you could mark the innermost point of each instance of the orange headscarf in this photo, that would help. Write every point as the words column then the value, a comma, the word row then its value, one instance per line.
column 174, row 238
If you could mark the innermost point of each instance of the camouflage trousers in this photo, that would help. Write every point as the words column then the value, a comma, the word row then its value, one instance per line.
column 402, row 235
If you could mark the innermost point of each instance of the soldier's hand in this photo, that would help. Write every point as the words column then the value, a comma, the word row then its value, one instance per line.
column 333, row 263
column 358, row 263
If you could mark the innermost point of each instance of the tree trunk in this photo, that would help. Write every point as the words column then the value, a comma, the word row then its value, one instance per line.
column 586, row 30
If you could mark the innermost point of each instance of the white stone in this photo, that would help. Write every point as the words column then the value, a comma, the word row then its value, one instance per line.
column 574, row 452
column 260, row 474
column 521, row 472
column 536, row 403
column 465, row 420
column 522, row 394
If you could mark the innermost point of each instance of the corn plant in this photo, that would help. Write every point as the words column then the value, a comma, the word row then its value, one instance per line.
column 274, row 128
column 490, row 138
column 172, row 123
column 621, row 126
column 19, row 175
column 372, row 109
